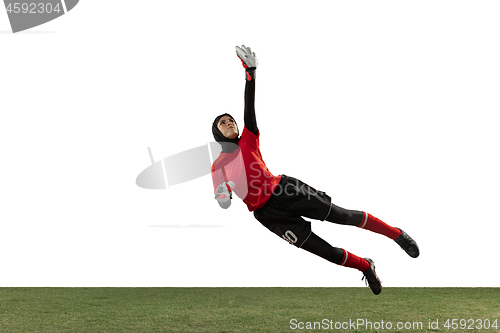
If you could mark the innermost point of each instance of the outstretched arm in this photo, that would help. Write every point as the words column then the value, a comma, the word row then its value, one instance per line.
column 249, row 60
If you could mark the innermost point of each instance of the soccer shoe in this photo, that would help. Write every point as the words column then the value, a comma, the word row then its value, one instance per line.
column 408, row 244
column 371, row 278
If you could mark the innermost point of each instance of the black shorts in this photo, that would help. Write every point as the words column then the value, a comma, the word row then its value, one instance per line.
column 292, row 200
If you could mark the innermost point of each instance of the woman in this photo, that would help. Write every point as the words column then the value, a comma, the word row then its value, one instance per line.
column 280, row 202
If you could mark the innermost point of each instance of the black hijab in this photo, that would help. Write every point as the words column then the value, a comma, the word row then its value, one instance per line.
column 228, row 145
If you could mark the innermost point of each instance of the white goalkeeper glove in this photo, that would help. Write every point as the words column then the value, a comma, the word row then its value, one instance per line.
column 223, row 194
column 247, row 57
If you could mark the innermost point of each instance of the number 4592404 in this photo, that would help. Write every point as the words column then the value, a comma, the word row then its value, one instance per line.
column 33, row 8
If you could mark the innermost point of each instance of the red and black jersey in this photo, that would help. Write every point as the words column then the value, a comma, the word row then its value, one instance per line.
column 254, row 183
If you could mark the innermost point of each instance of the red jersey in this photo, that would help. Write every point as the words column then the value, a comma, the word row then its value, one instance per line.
column 246, row 168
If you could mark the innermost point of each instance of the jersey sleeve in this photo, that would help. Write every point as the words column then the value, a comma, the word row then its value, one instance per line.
column 251, row 139
column 249, row 115
column 217, row 177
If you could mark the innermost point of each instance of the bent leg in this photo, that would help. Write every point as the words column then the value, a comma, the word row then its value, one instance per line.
column 320, row 247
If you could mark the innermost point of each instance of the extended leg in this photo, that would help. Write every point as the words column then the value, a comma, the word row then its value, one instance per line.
column 343, row 216
column 366, row 221
column 362, row 220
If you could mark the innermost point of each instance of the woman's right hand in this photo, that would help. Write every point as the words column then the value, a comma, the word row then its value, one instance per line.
column 247, row 57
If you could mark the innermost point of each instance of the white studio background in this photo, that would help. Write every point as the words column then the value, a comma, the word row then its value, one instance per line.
column 389, row 106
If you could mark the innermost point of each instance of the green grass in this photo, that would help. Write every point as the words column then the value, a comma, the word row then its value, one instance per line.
column 239, row 309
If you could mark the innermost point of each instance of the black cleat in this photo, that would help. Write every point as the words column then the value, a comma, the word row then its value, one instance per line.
column 371, row 278
column 408, row 244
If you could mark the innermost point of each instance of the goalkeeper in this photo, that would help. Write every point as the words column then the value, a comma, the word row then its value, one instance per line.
column 280, row 202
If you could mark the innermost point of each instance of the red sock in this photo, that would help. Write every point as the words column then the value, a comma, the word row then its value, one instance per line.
column 372, row 223
column 353, row 261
